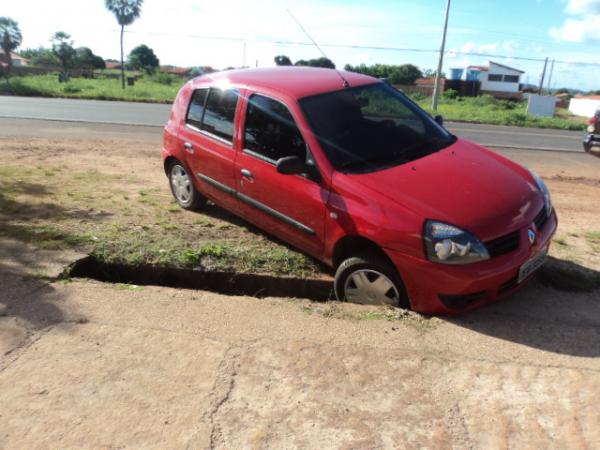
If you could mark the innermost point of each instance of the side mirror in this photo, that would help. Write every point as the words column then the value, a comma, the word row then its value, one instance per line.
column 291, row 165
column 439, row 120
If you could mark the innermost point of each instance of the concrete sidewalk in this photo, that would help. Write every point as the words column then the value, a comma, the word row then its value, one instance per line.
column 91, row 365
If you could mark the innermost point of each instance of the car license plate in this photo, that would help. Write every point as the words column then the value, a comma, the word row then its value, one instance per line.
column 532, row 265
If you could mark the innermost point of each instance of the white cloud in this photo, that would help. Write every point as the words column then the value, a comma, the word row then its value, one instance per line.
column 584, row 26
column 581, row 7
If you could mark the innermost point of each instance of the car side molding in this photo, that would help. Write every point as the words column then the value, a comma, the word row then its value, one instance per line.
column 256, row 204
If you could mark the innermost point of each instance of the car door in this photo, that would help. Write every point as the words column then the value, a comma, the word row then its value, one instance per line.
column 289, row 206
column 207, row 139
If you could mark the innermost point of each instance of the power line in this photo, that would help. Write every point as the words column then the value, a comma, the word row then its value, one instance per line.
column 364, row 47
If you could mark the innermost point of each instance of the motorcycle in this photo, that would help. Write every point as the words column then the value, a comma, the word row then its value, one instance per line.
column 591, row 143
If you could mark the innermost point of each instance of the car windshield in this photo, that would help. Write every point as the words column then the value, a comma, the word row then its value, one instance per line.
column 372, row 127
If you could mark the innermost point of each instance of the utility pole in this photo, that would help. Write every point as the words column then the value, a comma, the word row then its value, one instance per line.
column 438, row 74
column 549, row 85
column 244, row 60
column 543, row 76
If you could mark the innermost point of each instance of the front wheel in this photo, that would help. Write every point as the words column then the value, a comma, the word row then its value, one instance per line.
column 183, row 188
column 370, row 280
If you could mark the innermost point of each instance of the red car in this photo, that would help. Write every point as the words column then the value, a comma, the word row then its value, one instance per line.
column 351, row 171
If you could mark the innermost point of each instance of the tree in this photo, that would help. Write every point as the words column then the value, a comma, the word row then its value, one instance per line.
column 10, row 39
column 143, row 58
column 282, row 60
column 201, row 70
column 85, row 59
column 125, row 11
column 404, row 74
column 40, row 57
column 318, row 62
column 62, row 47
column 428, row 73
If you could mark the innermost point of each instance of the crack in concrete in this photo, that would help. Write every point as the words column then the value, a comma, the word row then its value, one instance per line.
column 13, row 355
column 221, row 391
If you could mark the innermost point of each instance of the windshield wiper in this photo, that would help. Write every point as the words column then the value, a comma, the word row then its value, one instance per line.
column 377, row 161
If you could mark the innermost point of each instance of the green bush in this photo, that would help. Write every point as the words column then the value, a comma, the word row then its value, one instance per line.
column 71, row 89
column 164, row 78
column 451, row 94
column 417, row 96
column 483, row 100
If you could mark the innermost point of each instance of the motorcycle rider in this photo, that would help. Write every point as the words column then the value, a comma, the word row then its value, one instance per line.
column 593, row 136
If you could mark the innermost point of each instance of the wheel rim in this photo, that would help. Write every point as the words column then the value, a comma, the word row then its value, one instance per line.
column 370, row 287
column 181, row 185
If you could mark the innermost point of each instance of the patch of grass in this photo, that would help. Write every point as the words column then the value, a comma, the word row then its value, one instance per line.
column 560, row 241
column 43, row 236
column 275, row 259
column 593, row 238
column 336, row 310
column 193, row 258
column 127, row 287
column 147, row 88
column 95, row 212
column 489, row 110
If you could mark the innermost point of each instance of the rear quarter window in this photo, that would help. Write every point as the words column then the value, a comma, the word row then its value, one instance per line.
column 219, row 113
column 196, row 108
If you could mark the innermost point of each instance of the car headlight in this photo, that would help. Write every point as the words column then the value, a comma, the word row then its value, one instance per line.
column 448, row 244
column 544, row 190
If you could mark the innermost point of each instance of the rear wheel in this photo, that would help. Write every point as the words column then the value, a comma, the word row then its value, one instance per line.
column 182, row 188
column 369, row 280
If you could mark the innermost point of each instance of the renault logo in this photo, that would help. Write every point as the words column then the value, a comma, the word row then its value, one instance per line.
column 531, row 235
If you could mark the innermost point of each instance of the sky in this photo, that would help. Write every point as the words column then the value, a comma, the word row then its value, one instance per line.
column 234, row 32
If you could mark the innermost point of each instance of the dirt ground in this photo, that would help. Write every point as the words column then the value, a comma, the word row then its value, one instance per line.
column 91, row 365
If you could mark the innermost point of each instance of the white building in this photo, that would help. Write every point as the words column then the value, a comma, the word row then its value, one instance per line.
column 584, row 105
column 496, row 79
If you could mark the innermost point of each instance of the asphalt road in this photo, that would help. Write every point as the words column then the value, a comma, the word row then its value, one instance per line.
column 155, row 115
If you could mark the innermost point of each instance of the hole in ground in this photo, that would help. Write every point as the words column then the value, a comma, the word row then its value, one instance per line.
column 220, row 282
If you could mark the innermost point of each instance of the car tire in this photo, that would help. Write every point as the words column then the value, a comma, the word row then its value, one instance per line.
column 370, row 279
column 183, row 189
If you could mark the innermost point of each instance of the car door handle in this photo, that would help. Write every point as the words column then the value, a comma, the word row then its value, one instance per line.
column 189, row 147
column 247, row 174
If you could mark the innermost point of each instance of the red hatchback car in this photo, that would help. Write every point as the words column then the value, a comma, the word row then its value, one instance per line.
column 352, row 172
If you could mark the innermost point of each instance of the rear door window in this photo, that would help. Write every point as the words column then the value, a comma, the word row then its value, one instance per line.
column 219, row 113
column 270, row 130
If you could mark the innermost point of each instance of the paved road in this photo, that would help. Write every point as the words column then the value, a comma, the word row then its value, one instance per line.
column 544, row 161
column 155, row 115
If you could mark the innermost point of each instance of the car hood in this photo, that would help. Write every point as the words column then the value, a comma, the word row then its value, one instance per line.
column 465, row 185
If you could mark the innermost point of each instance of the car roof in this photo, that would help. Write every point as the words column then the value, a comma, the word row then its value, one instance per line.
column 296, row 82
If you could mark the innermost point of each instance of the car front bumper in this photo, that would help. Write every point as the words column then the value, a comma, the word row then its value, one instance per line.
column 435, row 288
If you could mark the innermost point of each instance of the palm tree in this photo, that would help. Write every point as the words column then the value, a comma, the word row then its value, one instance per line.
column 10, row 39
column 62, row 47
column 126, row 11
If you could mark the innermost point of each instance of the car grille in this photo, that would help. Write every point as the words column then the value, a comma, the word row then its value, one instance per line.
column 509, row 285
column 462, row 301
column 541, row 219
column 504, row 244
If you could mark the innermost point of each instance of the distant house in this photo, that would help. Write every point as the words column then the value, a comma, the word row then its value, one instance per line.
column 497, row 79
column 584, row 105
column 174, row 70
column 426, row 85
column 562, row 100
column 17, row 60
column 110, row 64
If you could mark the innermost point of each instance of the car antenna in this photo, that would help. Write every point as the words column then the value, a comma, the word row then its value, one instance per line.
column 345, row 82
